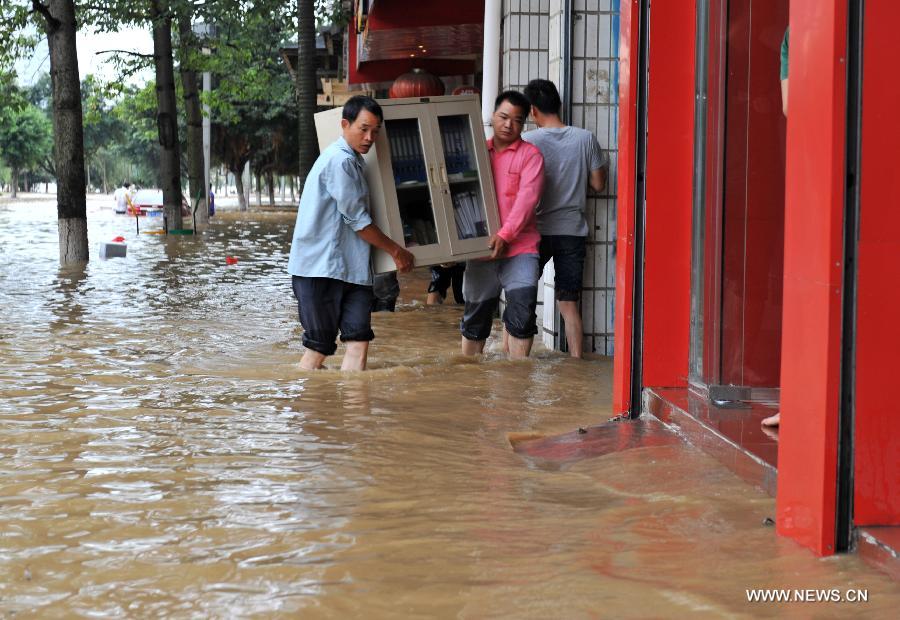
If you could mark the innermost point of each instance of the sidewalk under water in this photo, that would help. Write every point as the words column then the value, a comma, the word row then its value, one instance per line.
column 162, row 455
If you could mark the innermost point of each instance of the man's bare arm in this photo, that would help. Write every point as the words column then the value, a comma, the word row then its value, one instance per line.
column 372, row 235
column 598, row 180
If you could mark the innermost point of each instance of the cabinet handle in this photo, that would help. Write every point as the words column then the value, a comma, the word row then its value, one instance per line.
column 444, row 175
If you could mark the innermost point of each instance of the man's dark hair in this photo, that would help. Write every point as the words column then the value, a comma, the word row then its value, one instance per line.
column 358, row 103
column 124, row 183
column 515, row 98
column 544, row 96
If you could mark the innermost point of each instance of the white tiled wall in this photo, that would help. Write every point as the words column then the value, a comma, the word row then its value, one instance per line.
column 532, row 48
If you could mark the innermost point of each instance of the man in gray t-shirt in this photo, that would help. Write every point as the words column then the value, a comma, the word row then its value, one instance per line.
column 572, row 160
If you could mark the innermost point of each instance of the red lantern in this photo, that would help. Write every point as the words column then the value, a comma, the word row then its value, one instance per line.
column 417, row 83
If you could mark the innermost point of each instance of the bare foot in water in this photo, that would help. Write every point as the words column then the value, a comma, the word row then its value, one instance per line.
column 773, row 420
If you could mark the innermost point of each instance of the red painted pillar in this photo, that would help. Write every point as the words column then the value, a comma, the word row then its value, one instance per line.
column 813, row 267
column 877, row 441
column 629, row 49
column 667, row 225
column 670, row 168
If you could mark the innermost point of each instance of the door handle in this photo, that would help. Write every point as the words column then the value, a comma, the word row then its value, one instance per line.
column 444, row 175
column 431, row 175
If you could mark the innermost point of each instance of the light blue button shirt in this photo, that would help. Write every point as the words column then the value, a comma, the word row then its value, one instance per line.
column 333, row 206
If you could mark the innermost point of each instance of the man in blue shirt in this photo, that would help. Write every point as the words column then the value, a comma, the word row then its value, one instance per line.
column 329, row 261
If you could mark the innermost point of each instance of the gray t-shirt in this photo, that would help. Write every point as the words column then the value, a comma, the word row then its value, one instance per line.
column 570, row 154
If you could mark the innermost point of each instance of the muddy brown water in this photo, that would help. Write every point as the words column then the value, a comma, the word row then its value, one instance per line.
column 163, row 456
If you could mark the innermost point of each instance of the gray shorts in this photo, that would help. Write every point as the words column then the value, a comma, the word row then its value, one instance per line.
column 482, row 284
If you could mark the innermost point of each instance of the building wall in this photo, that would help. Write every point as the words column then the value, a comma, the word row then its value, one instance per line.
column 533, row 39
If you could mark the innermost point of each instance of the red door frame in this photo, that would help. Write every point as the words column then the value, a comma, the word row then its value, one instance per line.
column 877, row 438
column 814, row 252
column 741, row 258
column 664, row 315
column 813, row 274
column 629, row 51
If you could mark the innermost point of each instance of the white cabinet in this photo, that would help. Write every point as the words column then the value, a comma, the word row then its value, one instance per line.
column 429, row 177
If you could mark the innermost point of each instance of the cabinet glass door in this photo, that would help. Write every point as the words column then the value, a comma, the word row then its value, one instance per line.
column 410, row 198
column 465, row 177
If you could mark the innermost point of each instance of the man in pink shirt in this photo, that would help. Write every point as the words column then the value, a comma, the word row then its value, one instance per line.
column 513, row 267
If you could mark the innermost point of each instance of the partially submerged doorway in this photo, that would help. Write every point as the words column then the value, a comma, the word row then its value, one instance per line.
column 738, row 201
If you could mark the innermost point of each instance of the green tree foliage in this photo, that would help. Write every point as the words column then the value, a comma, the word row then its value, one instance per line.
column 25, row 139
column 331, row 12
column 11, row 96
column 253, row 102
column 137, row 151
column 120, row 133
column 40, row 93
column 16, row 39
column 103, row 132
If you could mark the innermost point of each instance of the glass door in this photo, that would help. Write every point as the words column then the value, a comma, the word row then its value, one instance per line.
column 738, row 197
column 465, row 177
column 412, row 190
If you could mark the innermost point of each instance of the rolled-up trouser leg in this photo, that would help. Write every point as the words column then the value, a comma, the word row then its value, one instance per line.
column 356, row 313
column 319, row 307
column 386, row 289
column 518, row 277
column 481, row 289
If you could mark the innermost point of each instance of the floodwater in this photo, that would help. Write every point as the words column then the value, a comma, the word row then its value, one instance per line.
column 161, row 455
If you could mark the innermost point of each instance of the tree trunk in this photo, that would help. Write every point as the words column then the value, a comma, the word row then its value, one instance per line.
column 87, row 168
column 249, row 183
column 306, row 86
column 68, row 131
column 293, row 198
column 14, row 183
column 258, row 191
column 167, row 112
column 270, row 181
column 103, row 171
column 196, row 177
column 239, row 186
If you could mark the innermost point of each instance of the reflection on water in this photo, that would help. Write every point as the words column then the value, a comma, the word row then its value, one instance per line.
column 161, row 455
